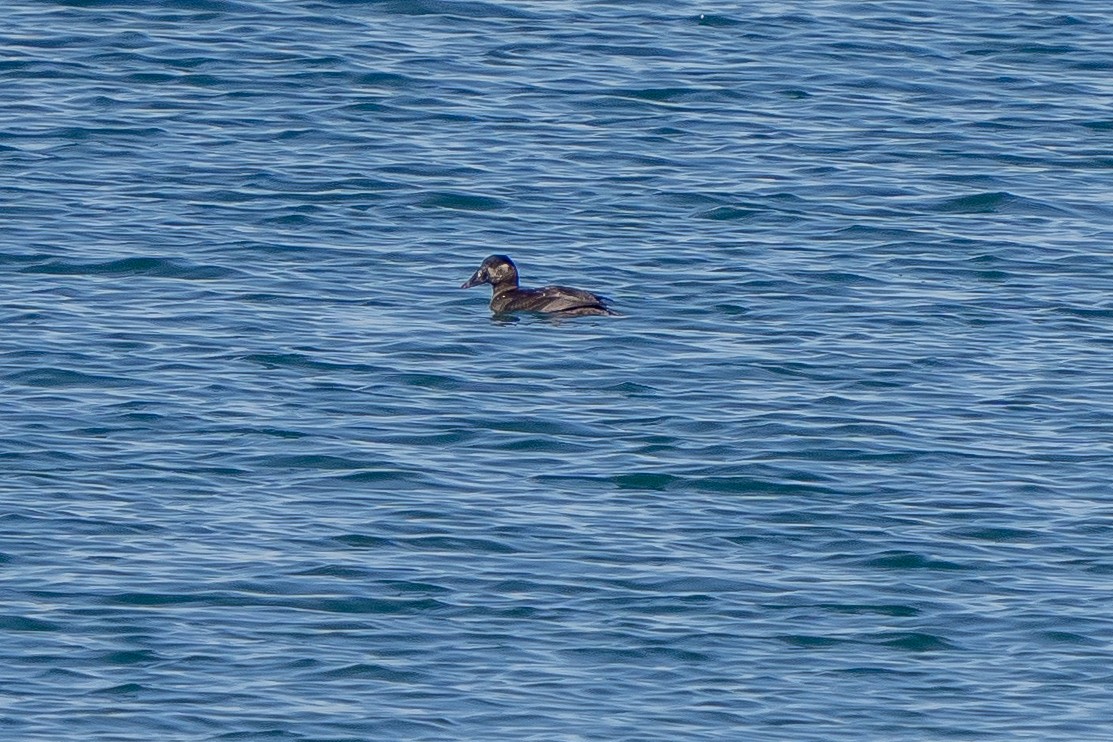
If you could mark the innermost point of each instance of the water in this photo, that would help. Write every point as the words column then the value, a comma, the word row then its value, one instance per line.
column 841, row 471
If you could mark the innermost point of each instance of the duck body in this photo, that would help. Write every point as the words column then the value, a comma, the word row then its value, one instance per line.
column 507, row 296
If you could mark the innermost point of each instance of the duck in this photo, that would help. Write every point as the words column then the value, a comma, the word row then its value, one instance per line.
column 506, row 296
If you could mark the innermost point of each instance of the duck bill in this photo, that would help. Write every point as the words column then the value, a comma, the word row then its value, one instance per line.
column 475, row 280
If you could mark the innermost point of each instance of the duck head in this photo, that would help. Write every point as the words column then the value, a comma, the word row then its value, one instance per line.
column 497, row 270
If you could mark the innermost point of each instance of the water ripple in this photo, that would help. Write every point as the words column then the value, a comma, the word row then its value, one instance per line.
column 268, row 472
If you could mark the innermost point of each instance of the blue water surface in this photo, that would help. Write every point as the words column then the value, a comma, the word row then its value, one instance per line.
column 840, row 471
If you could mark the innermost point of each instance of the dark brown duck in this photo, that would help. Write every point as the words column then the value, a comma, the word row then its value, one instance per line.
column 506, row 296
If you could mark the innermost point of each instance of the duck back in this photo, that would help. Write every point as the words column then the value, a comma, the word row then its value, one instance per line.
column 551, row 300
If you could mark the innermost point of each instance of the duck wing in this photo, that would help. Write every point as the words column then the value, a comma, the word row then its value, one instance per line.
column 552, row 299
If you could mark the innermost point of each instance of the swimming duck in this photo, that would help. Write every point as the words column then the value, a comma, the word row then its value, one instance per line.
column 502, row 274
